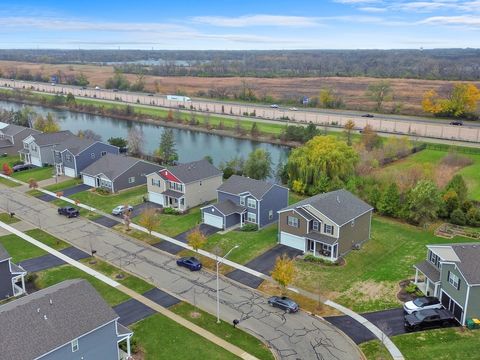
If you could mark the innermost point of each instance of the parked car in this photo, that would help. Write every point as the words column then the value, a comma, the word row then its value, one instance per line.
column 274, row 106
column 456, row 122
column 367, row 115
column 68, row 211
column 21, row 167
column 283, row 303
column 190, row 262
column 120, row 209
column 428, row 319
column 422, row 303
column 293, row 109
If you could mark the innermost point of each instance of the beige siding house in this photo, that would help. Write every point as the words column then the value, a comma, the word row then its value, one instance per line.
column 184, row 186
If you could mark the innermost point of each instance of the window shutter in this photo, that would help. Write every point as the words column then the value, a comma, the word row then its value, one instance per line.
column 458, row 285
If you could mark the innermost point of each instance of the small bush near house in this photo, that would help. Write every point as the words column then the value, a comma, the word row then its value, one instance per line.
column 171, row 211
column 102, row 191
column 413, row 289
column 314, row 259
column 249, row 227
column 134, row 346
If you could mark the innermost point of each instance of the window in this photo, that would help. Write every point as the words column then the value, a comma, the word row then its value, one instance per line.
column 74, row 345
column 270, row 214
column 68, row 157
column 252, row 203
column 252, row 217
column 156, row 182
column 103, row 153
column 315, row 225
column 176, row 186
column 242, row 200
column 434, row 259
column 131, row 180
column 92, row 155
column 328, row 229
column 292, row 221
column 454, row 280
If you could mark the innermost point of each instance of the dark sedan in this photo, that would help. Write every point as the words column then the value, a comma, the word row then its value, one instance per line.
column 21, row 167
column 190, row 263
column 429, row 319
column 68, row 211
column 456, row 122
column 367, row 115
column 283, row 303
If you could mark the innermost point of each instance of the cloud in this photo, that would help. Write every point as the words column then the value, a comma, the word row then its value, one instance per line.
column 257, row 20
column 355, row 2
column 464, row 20
column 373, row 9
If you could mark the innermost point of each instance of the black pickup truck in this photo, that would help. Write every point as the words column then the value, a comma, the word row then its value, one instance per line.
column 68, row 211
column 427, row 319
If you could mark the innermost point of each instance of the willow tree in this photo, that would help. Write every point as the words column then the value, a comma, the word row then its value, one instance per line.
column 322, row 164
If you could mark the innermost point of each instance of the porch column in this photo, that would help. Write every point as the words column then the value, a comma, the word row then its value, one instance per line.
column 314, row 248
column 428, row 285
column 241, row 220
column 23, row 283
column 331, row 253
column 128, row 347
column 436, row 288
column 416, row 276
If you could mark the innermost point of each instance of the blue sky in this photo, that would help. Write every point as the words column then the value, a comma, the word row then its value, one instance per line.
column 261, row 24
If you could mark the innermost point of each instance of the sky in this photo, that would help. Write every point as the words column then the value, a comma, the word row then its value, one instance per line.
column 240, row 24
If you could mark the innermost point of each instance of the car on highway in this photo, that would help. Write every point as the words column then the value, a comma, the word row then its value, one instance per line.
column 68, row 211
column 367, row 115
column 422, row 303
column 293, row 109
column 429, row 319
column 149, row 94
column 190, row 262
column 283, row 303
column 97, row 87
column 274, row 106
column 22, row 167
column 120, row 209
column 456, row 122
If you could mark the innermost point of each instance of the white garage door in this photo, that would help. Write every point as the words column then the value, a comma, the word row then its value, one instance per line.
column 36, row 161
column 293, row 241
column 69, row 172
column 89, row 180
column 213, row 220
column 155, row 198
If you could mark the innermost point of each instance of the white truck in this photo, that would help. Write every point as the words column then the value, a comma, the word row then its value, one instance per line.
column 179, row 98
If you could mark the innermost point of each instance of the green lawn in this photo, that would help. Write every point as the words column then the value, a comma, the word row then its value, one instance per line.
column 294, row 197
column 441, row 344
column 223, row 330
column 160, row 337
column 369, row 280
column 9, row 159
column 47, row 239
column 8, row 183
column 20, row 249
column 107, row 202
column 39, row 174
column 63, row 185
column 7, row 219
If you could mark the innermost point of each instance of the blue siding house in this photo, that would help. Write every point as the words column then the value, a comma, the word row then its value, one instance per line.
column 243, row 200
column 12, row 276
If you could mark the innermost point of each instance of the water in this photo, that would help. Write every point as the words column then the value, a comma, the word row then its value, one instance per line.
column 191, row 145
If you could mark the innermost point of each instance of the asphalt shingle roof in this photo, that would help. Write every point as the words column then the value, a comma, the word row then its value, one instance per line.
column 52, row 138
column 32, row 326
column 12, row 129
column 429, row 270
column 4, row 255
column 340, row 206
column 228, row 207
column 111, row 165
column 194, row 171
column 75, row 144
column 241, row 184
column 469, row 264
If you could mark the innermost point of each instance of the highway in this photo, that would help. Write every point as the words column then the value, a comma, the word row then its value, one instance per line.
column 389, row 124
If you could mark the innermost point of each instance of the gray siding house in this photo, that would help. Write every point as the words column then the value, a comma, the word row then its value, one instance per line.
column 12, row 136
column 184, row 186
column 327, row 225
column 67, row 321
column 75, row 154
column 12, row 277
column 117, row 172
column 451, row 273
column 38, row 148
column 243, row 200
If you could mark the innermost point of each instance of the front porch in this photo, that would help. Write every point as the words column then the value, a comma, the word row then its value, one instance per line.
column 174, row 199
column 322, row 249
column 25, row 156
column 123, row 335
column 427, row 278
column 18, row 280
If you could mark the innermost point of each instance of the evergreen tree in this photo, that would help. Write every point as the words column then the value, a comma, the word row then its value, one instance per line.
column 167, row 150
column 258, row 165
column 423, row 202
column 389, row 202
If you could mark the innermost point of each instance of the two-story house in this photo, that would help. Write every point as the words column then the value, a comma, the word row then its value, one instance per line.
column 67, row 321
column 75, row 154
column 38, row 148
column 184, row 186
column 12, row 277
column 451, row 273
column 12, row 136
column 327, row 225
column 242, row 200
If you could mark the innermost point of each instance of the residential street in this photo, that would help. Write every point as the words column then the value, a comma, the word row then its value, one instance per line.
column 294, row 336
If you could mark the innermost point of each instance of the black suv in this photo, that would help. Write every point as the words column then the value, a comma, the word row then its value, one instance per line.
column 68, row 211
column 21, row 167
column 456, row 122
column 427, row 319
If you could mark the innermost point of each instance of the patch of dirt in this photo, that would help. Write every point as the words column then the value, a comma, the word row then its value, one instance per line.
column 195, row 314
column 402, row 295
column 364, row 291
column 444, row 173
column 139, row 355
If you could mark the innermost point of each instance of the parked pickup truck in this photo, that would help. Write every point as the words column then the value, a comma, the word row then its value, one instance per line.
column 427, row 319
column 68, row 211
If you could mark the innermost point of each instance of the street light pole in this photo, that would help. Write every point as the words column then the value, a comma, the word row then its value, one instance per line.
column 218, row 287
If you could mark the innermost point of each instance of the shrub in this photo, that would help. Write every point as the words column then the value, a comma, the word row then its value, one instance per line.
column 171, row 211
column 458, row 217
column 249, row 227
column 314, row 259
column 134, row 346
column 412, row 289
column 473, row 216
column 102, row 191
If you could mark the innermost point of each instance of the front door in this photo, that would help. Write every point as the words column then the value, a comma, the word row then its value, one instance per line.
column 311, row 245
column 59, row 169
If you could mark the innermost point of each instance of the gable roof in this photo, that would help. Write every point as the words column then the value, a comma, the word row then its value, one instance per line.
column 13, row 129
column 52, row 138
column 4, row 255
column 75, row 144
column 237, row 185
column 465, row 256
column 340, row 206
column 194, row 171
column 32, row 326
column 228, row 207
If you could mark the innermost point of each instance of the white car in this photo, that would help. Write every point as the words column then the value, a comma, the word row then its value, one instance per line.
column 293, row 109
column 274, row 106
column 120, row 209
column 422, row 303
column 97, row 87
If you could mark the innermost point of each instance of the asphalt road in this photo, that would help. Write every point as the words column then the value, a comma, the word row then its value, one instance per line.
column 293, row 336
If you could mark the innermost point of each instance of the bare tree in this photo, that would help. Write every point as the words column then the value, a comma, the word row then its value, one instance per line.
column 135, row 141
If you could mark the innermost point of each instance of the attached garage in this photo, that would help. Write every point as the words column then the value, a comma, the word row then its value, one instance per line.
column 69, row 172
column 156, row 198
column 213, row 220
column 296, row 242
column 451, row 305
column 89, row 180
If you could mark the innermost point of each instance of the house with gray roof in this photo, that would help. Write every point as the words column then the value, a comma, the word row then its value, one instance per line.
column 12, row 136
column 451, row 273
column 75, row 154
column 38, row 148
column 12, row 276
column 327, row 225
column 117, row 172
column 67, row 321
column 242, row 200
column 185, row 185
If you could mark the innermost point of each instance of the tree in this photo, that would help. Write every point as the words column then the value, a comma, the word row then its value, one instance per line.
column 423, row 202
column 196, row 239
column 258, row 164
column 284, row 271
column 149, row 220
column 89, row 134
column 135, row 141
column 82, row 80
column 461, row 101
column 32, row 183
column 118, row 81
column 47, row 125
column 330, row 99
column 118, row 141
column 458, row 217
column 379, row 92
column 389, row 202
column 310, row 132
column 170, row 115
column 254, row 130
column 166, row 151
column 457, row 184
column 7, row 170
column 349, row 127
column 473, row 216
column 450, row 202
column 370, row 138
column 70, row 100
column 324, row 158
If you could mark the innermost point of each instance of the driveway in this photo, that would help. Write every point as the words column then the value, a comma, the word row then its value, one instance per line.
column 46, row 197
column 173, row 249
column 132, row 311
column 49, row 261
column 138, row 209
column 356, row 331
column 107, row 221
column 75, row 189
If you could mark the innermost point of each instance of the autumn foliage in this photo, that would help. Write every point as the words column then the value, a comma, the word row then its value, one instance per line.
column 461, row 101
column 7, row 170
column 284, row 271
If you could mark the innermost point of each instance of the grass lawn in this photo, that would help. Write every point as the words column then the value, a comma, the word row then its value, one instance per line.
column 294, row 197
column 8, row 183
column 223, row 330
column 41, row 173
column 20, row 249
column 139, row 235
column 63, row 185
column 471, row 174
column 159, row 335
column 4, row 217
column 47, row 239
column 107, row 202
column 9, row 159
column 440, row 344
column 369, row 280
column 58, row 274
